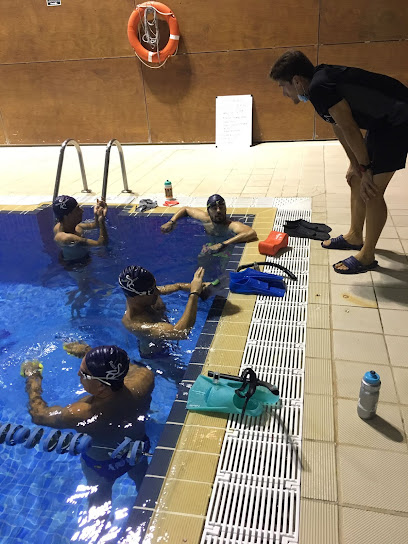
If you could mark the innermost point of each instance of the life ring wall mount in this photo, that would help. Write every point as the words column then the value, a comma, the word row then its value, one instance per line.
column 143, row 30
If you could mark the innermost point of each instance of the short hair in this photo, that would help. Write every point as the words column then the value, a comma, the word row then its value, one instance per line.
column 290, row 64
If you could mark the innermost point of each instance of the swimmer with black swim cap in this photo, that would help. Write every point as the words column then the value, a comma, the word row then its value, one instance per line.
column 119, row 395
column 68, row 232
column 145, row 314
column 223, row 231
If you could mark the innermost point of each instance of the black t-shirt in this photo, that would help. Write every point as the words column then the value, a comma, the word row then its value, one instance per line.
column 376, row 101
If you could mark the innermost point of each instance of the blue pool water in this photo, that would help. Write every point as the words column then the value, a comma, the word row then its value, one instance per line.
column 40, row 308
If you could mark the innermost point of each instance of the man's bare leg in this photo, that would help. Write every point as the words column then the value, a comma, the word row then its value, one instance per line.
column 358, row 213
column 376, row 217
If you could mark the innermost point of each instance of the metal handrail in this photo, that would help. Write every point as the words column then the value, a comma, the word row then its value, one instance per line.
column 106, row 168
column 61, row 161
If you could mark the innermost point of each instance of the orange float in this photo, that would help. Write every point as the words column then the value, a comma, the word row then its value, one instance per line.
column 164, row 13
column 274, row 242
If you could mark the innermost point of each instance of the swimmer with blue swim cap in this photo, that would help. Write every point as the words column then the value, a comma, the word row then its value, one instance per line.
column 115, row 406
column 223, row 231
column 145, row 314
column 68, row 232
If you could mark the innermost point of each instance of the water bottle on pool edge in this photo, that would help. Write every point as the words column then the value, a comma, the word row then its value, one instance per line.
column 168, row 190
column 369, row 394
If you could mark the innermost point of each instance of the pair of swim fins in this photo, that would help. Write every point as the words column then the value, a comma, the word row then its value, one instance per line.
column 254, row 282
column 300, row 228
column 243, row 394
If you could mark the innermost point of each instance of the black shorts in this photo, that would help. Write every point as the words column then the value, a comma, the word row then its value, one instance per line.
column 387, row 148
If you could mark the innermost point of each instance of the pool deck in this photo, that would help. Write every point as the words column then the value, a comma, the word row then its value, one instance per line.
column 354, row 473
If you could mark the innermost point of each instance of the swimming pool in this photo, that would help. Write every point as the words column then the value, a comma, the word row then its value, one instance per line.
column 40, row 309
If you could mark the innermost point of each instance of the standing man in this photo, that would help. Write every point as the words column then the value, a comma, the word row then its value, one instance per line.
column 352, row 99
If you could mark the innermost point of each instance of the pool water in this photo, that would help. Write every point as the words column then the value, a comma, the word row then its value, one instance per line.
column 41, row 308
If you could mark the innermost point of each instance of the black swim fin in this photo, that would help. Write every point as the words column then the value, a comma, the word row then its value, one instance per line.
column 318, row 227
column 302, row 232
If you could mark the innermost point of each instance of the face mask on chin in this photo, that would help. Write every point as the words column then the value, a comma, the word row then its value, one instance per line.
column 303, row 97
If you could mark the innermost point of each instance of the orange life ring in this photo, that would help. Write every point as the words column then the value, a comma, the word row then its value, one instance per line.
column 164, row 13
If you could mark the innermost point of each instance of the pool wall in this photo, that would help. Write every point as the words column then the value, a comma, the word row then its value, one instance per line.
column 173, row 499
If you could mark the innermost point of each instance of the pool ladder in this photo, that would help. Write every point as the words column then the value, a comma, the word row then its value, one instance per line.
column 71, row 141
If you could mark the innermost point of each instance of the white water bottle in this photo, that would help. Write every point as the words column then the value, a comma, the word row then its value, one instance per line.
column 369, row 394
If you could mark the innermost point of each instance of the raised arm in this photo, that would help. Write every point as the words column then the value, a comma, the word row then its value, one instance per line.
column 181, row 329
column 65, row 238
column 195, row 213
column 100, row 209
column 58, row 417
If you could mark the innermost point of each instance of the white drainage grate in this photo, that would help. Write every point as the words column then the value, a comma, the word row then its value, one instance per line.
column 256, row 493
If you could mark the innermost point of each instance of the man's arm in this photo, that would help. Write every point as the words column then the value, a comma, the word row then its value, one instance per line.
column 243, row 233
column 58, row 417
column 181, row 329
column 100, row 209
column 173, row 288
column 342, row 139
column 343, row 117
column 65, row 238
column 195, row 213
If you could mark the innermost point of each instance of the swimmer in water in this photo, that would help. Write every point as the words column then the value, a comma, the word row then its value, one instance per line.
column 118, row 398
column 69, row 230
column 75, row 256
column 223, row 231
column 145, row 314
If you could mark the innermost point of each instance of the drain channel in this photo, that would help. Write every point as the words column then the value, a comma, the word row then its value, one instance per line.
column 256, row 493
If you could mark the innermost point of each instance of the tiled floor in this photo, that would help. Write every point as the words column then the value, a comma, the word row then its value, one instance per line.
column 354, row 472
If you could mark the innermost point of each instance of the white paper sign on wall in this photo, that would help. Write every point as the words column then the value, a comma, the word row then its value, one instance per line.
column 53, row 3
column 233, row 120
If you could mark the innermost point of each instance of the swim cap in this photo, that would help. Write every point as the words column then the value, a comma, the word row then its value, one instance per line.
column 109, row 363
column 63, row 205
column 215, row 200
column 136, row 280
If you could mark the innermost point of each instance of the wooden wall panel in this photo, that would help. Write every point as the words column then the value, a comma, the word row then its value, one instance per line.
column 232, row 24
column 91, row 101
column 181, row 97
column 31, row 31
column 363, row 20
column 382, row 57
column 3, row 139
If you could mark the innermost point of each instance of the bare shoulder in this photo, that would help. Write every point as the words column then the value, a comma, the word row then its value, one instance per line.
column 140, row 379
column 196, row 213
column 239, row 226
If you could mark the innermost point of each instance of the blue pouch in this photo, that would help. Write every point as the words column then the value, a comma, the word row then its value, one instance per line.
column 254, row 282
